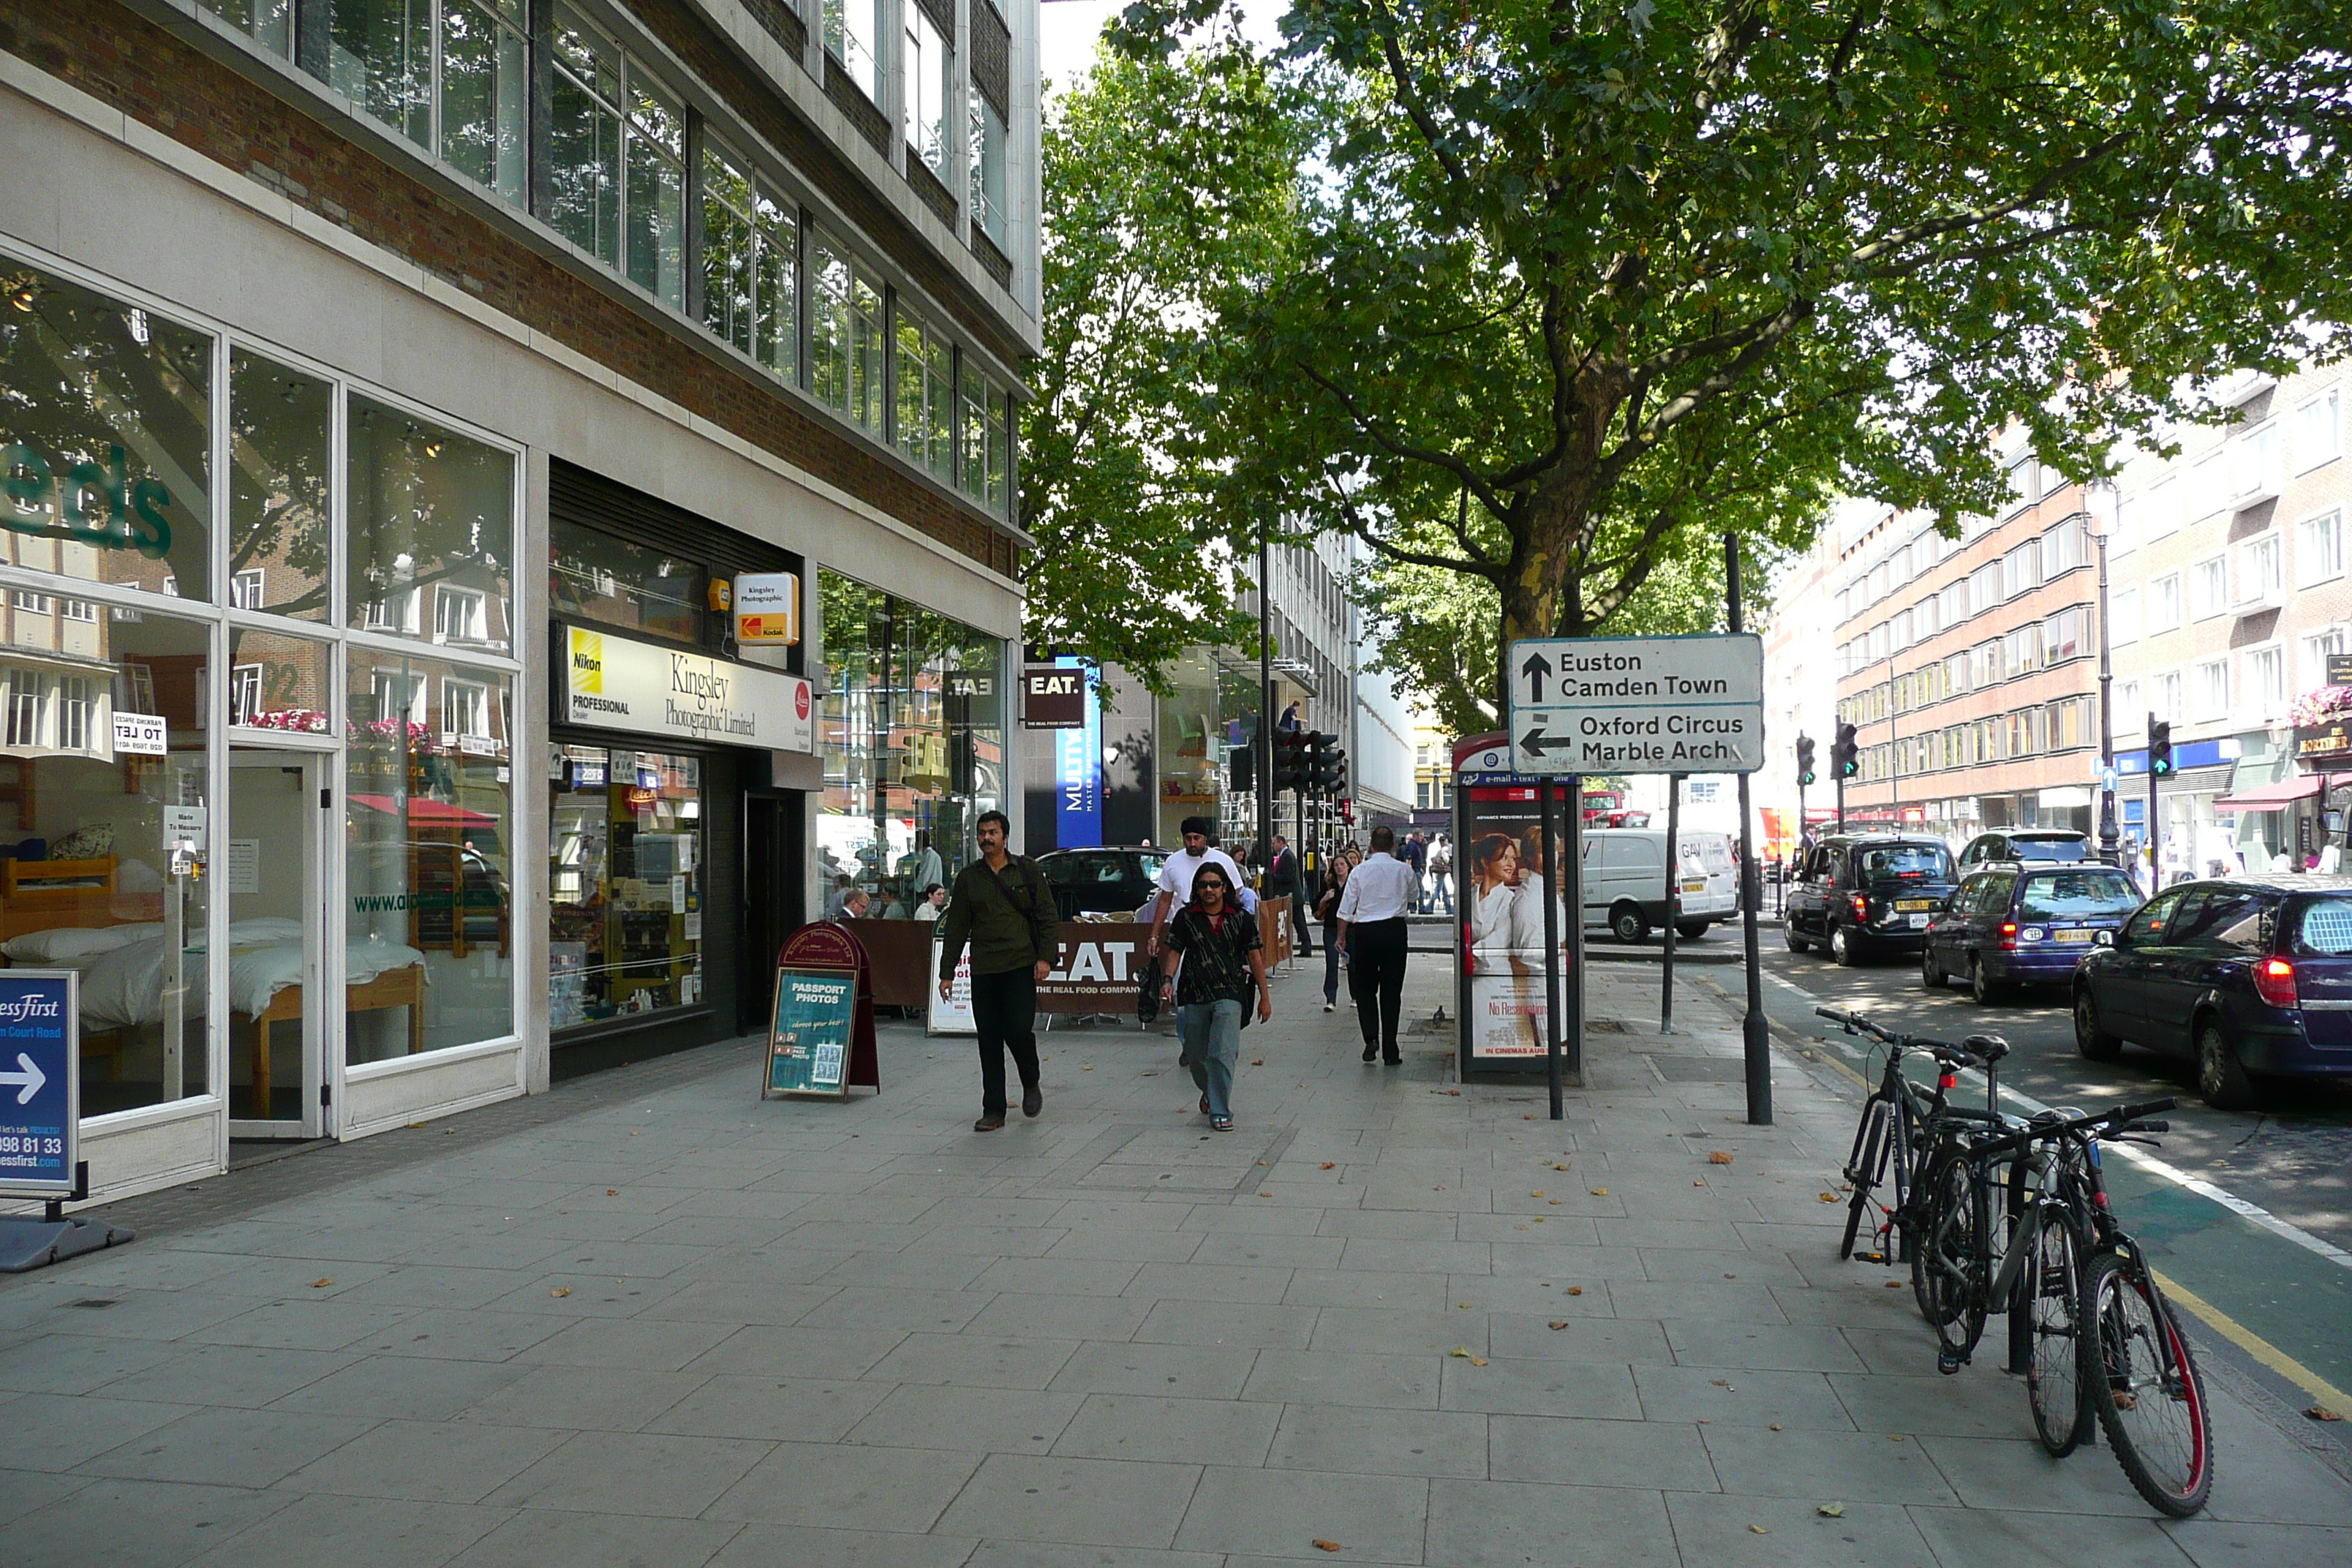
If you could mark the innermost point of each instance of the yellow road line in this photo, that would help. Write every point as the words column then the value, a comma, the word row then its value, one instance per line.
column 2254, row 1346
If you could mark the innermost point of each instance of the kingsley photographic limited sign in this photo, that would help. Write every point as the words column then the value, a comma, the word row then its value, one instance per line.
column 614, row 683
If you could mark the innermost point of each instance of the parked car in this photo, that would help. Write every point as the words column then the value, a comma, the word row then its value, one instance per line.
column 2027, row 843
column 2248, row 977
column 2027, row 922
column 1625, row 882
column 1858, row 894
column 1115, row 879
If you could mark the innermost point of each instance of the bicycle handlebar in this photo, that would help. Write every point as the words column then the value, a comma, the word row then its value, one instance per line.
column 1979, row 1050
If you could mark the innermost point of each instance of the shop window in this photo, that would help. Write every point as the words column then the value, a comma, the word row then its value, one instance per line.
column 451, row 76
column 428, row 508
column 85, row 877
column 429, row 876
column 625, row 882
column 912, row 734
column 751, row 255
column 280, row 478
column 600, row 578
column 105, row 438
column 277, row 681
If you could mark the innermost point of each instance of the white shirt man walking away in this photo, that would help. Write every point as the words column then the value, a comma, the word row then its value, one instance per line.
column 1379, row 895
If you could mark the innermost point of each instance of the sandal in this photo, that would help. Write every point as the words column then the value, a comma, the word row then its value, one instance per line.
column 1205, row 1105
column 1221, row 1123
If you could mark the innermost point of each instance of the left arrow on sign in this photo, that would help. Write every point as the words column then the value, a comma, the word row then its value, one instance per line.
column 32, row 1078
column 1536, row 742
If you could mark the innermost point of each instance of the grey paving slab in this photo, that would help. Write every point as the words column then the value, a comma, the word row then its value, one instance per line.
column 979, row 1360
column 653, row 1473
column 321, row 1325
column 1373, row 1518
column 873, row 1308
column 1563, row 1450
column 565, row 1398
column 1181, row 1431
column 57, row 1431
column 1795, row 1462
column 1026, row 1315
column 1540, row 1388
column 141, row 1524
column 1801, row 1347
column 984, row 1420
column 538, row 1537
column 1792, row 1532
column 1076, row 1501
column 1578, row 1337
column 762, row 1546
column 415, row 1388
column 228, row 1448
column 1981, row 1535
column 484, row 1335
column 77, row 1363
column 1734, row 1396
column 2231, row 1543
column 761, row 1348
column 833, row 1486
column 22, row 1491
column 1190, row 1371
column 1381, row 1332
column 1389, row 1442
column 1370, row 1288
column 1045, row 1554
column 1137, row 1246
column 1980, row 1402
column 1480, row 1524
column 1230, row 1323
column 1344, row 1377
column 430, row 1461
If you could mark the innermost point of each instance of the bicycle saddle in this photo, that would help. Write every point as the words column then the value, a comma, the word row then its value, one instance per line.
column 1988, row 1048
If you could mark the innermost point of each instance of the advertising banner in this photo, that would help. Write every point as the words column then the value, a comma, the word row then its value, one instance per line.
column 768, row 608
column 808, row 1034
column 39, row 1081
column 613, row 683
column 1500, row 872
column 952, row 1013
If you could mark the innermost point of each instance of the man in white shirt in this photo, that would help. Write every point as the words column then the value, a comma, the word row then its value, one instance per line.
column 1176, row 875
column 1379, row 895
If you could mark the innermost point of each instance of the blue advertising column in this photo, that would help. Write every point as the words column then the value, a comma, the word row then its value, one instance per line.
column 40, row 1118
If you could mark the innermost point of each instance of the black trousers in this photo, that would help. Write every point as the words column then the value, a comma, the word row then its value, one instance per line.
column 1299, row 928
column 1005, row 1012
column 1376, row 954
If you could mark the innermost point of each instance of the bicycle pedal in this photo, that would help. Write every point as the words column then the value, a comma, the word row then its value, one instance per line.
column 1871, row 1257
column 1949, row 1365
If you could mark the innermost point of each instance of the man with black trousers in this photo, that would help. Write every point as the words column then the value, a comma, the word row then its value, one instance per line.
column 1283, row 881
column 1373, row 909
column 1003, row 906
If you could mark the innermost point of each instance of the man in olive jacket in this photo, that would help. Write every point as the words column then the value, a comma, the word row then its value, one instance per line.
column 1002, row 905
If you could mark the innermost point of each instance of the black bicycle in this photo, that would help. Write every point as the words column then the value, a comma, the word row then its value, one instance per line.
column 1899, row 1121
column 2018, row 1220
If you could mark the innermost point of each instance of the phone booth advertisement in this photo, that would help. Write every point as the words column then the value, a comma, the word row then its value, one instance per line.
column 1498, row 871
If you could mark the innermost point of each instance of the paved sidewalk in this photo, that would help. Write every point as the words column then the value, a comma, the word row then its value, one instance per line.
column 1390, row 1320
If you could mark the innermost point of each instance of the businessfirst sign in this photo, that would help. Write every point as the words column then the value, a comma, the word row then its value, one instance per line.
column 615, row 683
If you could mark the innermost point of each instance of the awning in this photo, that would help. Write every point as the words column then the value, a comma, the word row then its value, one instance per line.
column 422, row 810
column 2271, row 796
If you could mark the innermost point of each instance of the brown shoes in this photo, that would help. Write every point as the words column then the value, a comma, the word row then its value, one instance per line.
column 988, row 1124
column 1032, row 1100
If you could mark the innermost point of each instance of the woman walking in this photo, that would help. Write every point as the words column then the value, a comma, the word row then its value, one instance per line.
column 1327, row 910
column 1224, row 965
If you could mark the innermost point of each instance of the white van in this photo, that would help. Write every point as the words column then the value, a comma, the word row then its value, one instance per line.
column 1625, row 882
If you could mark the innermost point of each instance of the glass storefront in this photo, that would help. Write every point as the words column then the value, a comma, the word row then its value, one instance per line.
column 1190, row 746
column 626, row 883
column 144, row 649
column 912, row 734
column 597, row 577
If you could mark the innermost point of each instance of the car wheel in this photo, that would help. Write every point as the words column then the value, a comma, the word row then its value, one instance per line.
column 1691, row 931
column 2090, row 1037
column 1931, row 973
column 1626, row 923
column 1843, row 946
column 1982, row 988
column 2221, row 1079
column 1796, row 944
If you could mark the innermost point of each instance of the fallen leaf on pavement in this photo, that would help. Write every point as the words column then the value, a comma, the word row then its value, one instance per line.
column 1333, row 1545
column 1756, row 1530
column 1561, row 1324
column 1257, row 1061
column 1600, row 1192
column 1466, row 1355
column 1776, row 1426
column 611, row 1192
column 320, row 1284
column 1833, row 1511
column 1719, row 1157
column 2320, row 1412
column 1576, row 1289
column 1328, row 1163
column 1536, row 1194
column 1087, row 1068
column 1559, row 1167
column 1698, row 1183
column 1829, row 1198
column 1270, row 1194
column 560, row 1290
column 1554, row 1201
column 1895, row 1283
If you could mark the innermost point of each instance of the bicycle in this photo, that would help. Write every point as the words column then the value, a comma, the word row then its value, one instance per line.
column 2089, row 1324
column 1898, row 1122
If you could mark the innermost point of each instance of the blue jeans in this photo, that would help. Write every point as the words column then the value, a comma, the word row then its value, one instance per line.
column 1330, row 964
column 1211, row 1036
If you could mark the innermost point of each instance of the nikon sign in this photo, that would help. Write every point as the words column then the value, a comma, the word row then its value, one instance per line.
column 614, row 683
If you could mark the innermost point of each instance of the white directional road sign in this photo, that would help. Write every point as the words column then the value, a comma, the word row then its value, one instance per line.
column 1638, row 705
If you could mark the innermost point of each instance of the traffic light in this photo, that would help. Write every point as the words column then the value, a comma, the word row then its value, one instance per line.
column 1804, row 760
column 1845, row 756
column 1241, row 769
column 2159, row 747
column 1289, row 771
column 1337, row 769
column 1325, row 762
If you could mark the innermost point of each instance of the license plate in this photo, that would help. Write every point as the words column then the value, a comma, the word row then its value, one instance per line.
column 1918, row 922
column 1694, row 885
column 2077, row 938
column 1906, row 905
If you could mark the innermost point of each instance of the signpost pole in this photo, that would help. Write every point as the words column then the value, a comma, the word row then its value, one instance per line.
column 1264, row 702
column 1572, row 874
column 1755, row 1032
column 1550, row 872
column 1673, row 887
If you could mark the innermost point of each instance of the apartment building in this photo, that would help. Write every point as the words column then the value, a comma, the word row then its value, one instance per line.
column 2229, row 594
column 1969, row 666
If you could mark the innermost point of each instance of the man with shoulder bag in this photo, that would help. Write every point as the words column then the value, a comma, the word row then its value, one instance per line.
column 1004, row 908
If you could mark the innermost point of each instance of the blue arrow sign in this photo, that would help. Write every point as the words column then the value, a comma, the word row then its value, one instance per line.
column 39, row 1087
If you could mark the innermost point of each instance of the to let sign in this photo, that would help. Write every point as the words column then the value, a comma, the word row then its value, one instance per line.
column 40, row 1082
column 1638, row 705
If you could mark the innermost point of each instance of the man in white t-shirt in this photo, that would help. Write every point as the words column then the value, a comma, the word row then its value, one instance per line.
column 1176, row 875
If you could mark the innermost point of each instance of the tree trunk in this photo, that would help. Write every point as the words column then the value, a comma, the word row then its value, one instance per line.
column 1544, row 595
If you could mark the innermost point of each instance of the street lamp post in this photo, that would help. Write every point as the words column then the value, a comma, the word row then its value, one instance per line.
column 2110, row 833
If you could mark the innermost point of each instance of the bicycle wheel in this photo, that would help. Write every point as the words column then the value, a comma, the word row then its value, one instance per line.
column 1948, row 1255
column 1868, row 1169
column 2146, row 1388
column 2052, row 1297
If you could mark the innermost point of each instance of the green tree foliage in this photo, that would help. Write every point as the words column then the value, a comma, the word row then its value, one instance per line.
column 1580, row 281
column 1169, row 191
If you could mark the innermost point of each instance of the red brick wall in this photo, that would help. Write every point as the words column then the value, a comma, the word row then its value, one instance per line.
column 137, row 68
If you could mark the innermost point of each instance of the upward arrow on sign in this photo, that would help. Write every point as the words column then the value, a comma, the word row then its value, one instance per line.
column 1535, row 669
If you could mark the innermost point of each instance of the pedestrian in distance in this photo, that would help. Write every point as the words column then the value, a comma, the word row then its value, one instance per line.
column 1223, row 969
column 1441, row 875
column 1004, row 908
column 934, row 903
column 1373, row 909
column 1415, row 853
column 849, row 904
column 1283, row 881
column 1327, row 911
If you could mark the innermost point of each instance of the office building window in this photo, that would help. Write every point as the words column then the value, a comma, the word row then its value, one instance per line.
column 845, row 334
column 926, row 396
column 2317, row 648
column 987, row 458
column 269, row 22
column 2212, row 688
column 750, row 264
column 2123, row 617
column 929, row 65
column 2164, row 693
column 2210, row 587
column 987, row 168
column 452, row 76
column 2266, row 679
column 2164, row 603
column 617, row 160
column 244, row 589
column 852, row 36
column 2318, row 430
column 2258, row 570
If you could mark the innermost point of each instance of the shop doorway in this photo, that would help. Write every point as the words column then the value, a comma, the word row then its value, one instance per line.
column 270, row 868
column 773, row 833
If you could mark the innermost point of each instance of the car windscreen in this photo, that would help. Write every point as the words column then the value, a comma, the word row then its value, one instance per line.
column 2325, row 929
column 2051, row 848
column 1930, row 862
column 2076, row 895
